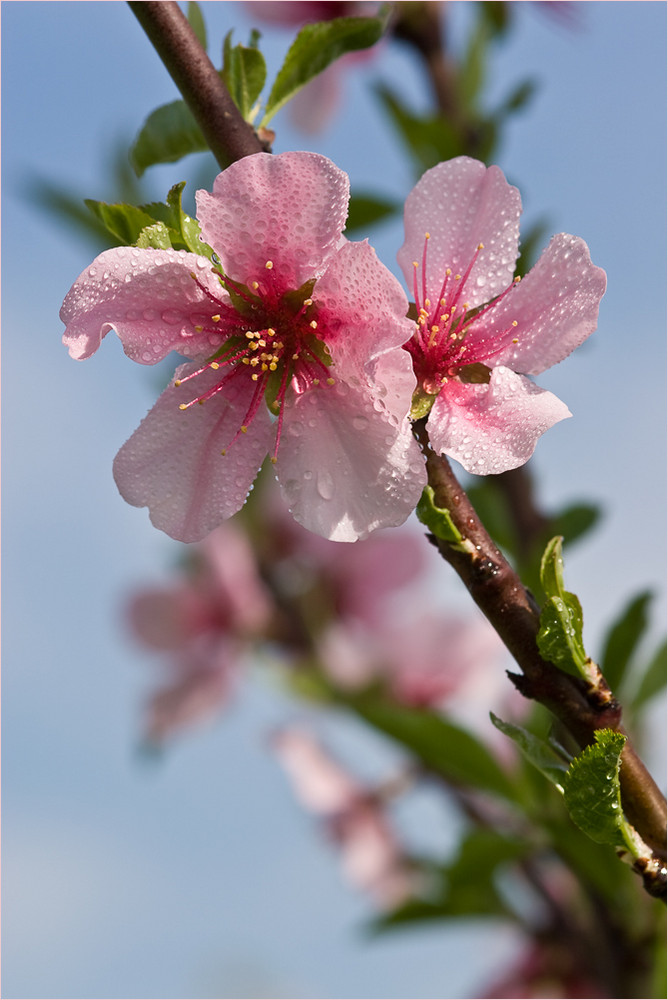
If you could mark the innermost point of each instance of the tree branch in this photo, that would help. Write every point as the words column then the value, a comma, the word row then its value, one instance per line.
column 229, row 137
column 512, row 610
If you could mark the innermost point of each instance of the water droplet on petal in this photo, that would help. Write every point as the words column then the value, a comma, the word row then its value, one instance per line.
column 325, row 485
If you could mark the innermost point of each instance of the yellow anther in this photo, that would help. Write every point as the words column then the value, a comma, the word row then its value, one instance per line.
column 245, row 361
column 271, row 332
column 331, row 381
column 177, row 383
column 481, row 246
column 295, row 357
column 255, row 376
column 254, row 361
column 514, row 322
column 313, row 324
column 518, row 278
column 243, row 429
column 427, row 304
column 273, row 460
column 515, row 340
column 254, row 286
column 216, row 318
column 273, row 366
column 224, row 451
column 458, row 277
column 415, row 265
column 442, row 303
column 193, row 275
column 183, row 406
column 198, row 329
column 249, row 335
column 269, row 265
column 448, row 271
column 308, row 302
column 434, row 328
column 427, row 236
column 316, row 381
column 264, row 368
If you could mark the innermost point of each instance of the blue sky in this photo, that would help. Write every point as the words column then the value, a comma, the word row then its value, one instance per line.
column 123, row 879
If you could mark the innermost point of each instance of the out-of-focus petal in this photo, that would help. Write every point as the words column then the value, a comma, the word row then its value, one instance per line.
column 148, row 297
column 288, row 209
column 492, row 428
column 319, row 783
column 173, row 464
column 461, row 203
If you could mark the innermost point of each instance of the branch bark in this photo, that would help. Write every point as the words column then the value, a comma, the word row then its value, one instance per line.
column 229, row 137
column 512, row 610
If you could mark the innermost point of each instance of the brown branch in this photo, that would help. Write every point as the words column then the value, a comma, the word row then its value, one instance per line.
column 512, row 610
column 227, row 134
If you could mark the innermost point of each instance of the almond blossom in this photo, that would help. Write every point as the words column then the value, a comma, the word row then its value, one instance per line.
column 294, row 337
column 354, row 817
column 479, row 333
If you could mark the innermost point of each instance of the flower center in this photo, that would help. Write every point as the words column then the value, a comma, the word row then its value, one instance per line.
column 444, row 345
column 269, row 337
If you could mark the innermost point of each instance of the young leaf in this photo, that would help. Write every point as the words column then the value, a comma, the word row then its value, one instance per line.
column 315, row 48
column 244, row 73
column 653, row 679
column 592, row 792
column 437, row 519
column 560, row 634
column 124, row 222
column 168, row 134
column 196, row 21
column 623, row 639
column 156, row 237
column 537, row 751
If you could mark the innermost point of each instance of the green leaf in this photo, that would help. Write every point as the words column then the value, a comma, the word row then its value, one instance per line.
column 442, row 746
column 124, row 222
column 653, row 679
column 365, row 210
column 196, row 21
column 156, row 236
column 244, row 73
column 592, row 792
column 537, row 751
column 315, row 48
column 623, row 639
column 552, row 569
column 168, row 134
column 471, row 78
column 560, row 634
column 429, row 139
column 575, row 521
column 517, row 99
column 437, row 519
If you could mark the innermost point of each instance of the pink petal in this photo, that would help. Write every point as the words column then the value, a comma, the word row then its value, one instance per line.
column 361, row 307
column 555, row 306
column 289, row 209
column 492, row 428
column 147, row 297
column 461, row 203
column 320, row 784
column 345, row 467
column 173, row 465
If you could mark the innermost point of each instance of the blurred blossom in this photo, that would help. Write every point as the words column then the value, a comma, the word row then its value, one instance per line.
column 549, row 968
column 204, row 621
column 354, row 818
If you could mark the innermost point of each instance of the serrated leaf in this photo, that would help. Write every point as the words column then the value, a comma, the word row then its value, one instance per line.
column 623, row 639
column 168, row 134
column 155, row 236
column 653, row 679
column 315, row 48
column 196, row 21
column 124, row 222
column 437, row 519
column 444, row 747
column 592, row 792
column 365, row 210
column 244, row 73
column 537, row 751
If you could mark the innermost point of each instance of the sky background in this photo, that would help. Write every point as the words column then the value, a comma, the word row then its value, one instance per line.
column 200, row 876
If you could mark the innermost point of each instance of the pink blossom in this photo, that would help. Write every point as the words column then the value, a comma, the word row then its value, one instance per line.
column 478, row 332
column 291, row 315
column 354, row 818
column 204, row 623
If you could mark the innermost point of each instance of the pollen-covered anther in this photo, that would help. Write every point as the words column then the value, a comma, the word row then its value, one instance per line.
column 517, row 278
column 331, row 381
column 481, row 246
column 514, row 322
column 269, row 265
column 215, row 366
column 216, row 318
column 313, row 324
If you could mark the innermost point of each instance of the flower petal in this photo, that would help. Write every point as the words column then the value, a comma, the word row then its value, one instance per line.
column 148, row 297
column 461, row 203
column 289, row 209
column 361, row 306
column 346, row 467
column 555, row 307
column 492, row 428
column 173, row 465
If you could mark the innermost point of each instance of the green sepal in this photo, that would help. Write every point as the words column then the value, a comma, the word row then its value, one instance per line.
column 244, row 74
column 592, row 792
column 421, row 404
column 168, row 134
column 437, row 519
column 537, row 751
column 315, row 48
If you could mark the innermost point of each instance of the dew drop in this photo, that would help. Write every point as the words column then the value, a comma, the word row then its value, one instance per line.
column 360, row 423
column 325, row 485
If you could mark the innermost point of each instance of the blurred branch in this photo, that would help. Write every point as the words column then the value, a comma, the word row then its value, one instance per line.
column 229, row 137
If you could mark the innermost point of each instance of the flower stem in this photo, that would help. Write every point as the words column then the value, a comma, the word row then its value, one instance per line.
column 229, row 137
column 510, row 607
